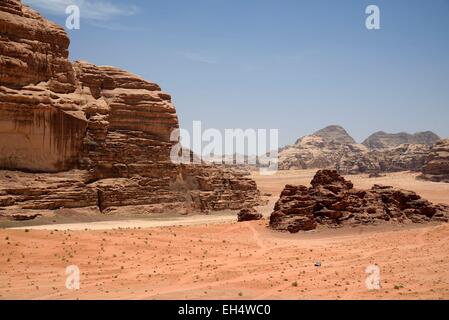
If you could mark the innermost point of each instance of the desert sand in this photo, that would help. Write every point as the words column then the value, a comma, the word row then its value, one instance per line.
column 223, row 259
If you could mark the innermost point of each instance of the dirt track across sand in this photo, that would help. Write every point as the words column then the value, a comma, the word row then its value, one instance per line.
column 135, row 223
column 226, row 261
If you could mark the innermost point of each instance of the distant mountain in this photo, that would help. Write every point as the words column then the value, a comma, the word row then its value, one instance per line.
column 322, row 149
column 382, row 140
column 332, row 134
column 332, row 147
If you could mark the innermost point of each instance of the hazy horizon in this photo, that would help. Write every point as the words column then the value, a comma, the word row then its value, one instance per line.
column 297, row 66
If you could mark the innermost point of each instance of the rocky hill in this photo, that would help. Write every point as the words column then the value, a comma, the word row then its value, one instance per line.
column 333, row 148
column 404, row 157
column 383, row 140
column 436, row 167
column 322, row 149
column 333, row 134
column 86, row 135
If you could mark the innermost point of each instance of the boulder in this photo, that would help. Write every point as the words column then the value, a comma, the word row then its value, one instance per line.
column 248, row 214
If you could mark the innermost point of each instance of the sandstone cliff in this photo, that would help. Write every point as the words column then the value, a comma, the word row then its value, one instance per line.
column 41, row 124
column 110, row 126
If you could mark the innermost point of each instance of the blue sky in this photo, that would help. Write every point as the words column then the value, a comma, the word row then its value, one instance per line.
column 288, row 64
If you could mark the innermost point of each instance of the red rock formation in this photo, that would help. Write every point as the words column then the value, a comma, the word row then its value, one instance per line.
column 332, row 201
column 436, row 167
column 42, row 126
column 111, row 125
column 33, row 50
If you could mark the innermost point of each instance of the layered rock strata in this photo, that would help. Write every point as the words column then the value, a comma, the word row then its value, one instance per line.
column 87, row 135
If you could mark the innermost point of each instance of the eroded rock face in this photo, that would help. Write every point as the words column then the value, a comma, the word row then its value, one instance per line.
column 42, row 126
column 436, row 166
column 333, row 201
column 129, row 123
column 56, row 115
column 33, row 50
column 101, row 129
column 19, row 190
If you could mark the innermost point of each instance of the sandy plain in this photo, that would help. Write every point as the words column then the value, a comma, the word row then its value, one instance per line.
column 214, row 257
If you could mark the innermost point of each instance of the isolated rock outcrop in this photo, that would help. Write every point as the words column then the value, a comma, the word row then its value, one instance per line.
column 383, row 140
column 333, row 201
column 436, row 167
column 87, row 135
